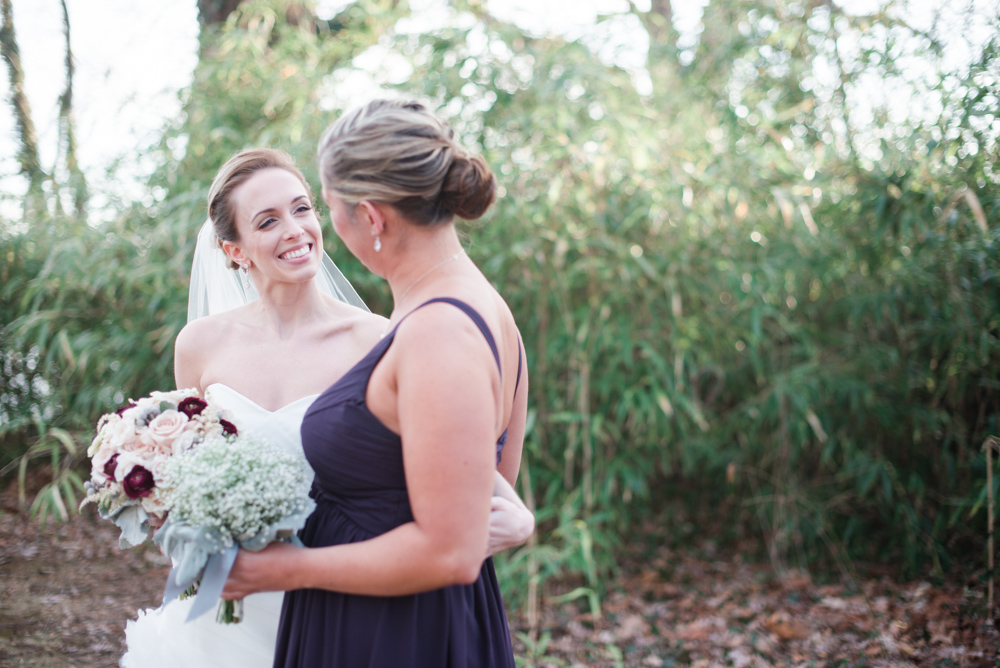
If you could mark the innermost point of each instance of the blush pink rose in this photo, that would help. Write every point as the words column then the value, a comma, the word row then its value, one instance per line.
column 163, row 429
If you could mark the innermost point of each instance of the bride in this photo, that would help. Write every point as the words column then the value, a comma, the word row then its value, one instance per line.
column 297, row 326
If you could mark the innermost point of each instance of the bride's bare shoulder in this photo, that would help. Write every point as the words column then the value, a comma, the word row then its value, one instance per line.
column 365, row 326
column 205, row 333
column 369, row 329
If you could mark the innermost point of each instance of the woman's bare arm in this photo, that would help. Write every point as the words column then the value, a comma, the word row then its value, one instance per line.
column 447, row 398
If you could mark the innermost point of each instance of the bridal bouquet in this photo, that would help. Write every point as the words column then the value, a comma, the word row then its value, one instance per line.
column 131, row 450
column 227, row 493
column 175, row 457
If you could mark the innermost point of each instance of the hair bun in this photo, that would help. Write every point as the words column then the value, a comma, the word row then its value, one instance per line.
column 469, row 187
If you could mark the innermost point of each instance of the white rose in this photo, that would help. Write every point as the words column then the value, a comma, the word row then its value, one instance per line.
column 163, row 429
column 185, row 441
column 119, row 432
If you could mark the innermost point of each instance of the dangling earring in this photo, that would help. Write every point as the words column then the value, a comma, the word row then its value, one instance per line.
column 378, row 243
column 245, row 271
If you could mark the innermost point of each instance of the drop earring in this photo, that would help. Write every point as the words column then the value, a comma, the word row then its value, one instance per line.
column 245, row 272
column 378, row 243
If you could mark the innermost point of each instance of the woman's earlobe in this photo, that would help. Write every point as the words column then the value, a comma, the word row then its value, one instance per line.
column 234, row 253
column 373, row 216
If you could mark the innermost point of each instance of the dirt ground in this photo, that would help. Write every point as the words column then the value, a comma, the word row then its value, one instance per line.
column 66, row 591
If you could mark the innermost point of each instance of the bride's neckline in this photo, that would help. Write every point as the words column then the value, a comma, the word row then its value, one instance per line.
column 309, row 397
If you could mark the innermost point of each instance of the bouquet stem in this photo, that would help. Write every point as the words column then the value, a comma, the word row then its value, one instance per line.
column 230, row 612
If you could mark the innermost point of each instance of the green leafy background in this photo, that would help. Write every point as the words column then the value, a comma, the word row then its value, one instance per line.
column 733, row 294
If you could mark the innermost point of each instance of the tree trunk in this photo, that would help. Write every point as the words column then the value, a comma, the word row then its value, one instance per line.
column 28, row 153
column 661, row 57
column 659, row 22
column 67, row 129
column 212, row 12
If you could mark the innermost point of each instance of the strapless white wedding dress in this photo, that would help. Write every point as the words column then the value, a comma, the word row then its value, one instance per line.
column 160, row 638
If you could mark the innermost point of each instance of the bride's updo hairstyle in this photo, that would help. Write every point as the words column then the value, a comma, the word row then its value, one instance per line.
column 237, row 170
column 399, row 153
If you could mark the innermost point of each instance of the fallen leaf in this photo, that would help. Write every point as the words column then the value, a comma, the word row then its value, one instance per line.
column 940, row 632
column 874, row 649
column 632, row 626
column 764, row 644
column 715, row 602
column 739, row 658
column 796, row 580
column 699, row 629
column 741, row 613
column 834, row 603
column 786, row 627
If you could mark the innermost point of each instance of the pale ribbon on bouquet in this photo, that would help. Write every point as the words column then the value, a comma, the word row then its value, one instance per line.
column 199, row 552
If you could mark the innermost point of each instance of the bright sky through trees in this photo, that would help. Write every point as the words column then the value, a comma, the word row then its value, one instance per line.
column 132, row 59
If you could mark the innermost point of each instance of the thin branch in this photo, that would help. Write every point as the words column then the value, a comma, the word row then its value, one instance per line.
column 28, row 153
column 67, row 130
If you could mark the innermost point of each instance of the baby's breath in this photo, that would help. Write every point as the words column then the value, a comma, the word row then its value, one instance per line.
column 238, row 486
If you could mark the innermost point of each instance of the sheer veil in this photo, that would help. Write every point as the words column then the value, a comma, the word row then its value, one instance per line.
column 216, row 288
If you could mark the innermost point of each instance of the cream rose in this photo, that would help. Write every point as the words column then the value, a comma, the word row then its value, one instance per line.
column 163, row 429
column 185, row 440
column 120, row 432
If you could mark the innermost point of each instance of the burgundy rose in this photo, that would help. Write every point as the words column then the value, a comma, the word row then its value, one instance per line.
column 109, row 466
column 228, row 428
column 138, row 483
column 192, row 406
column 124, row 408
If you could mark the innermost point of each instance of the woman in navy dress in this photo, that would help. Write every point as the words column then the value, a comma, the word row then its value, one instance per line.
column 404, row 445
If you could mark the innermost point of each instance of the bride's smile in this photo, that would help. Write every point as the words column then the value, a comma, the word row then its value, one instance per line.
column 297, row 253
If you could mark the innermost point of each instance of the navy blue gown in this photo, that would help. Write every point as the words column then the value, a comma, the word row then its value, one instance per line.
column 360, row 492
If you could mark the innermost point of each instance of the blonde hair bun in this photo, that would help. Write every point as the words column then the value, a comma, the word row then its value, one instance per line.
column 398, row 152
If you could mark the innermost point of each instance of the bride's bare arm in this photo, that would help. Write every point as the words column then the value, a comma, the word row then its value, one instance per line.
column 511, row 523
column 189, row 355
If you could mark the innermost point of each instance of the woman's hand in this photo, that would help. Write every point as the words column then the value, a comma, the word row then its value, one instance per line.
column 511, row 523
column 267, row 570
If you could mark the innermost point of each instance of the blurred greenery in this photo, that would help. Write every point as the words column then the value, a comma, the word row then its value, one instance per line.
column 736, row 287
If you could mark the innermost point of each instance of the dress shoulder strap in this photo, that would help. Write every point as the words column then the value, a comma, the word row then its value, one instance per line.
column 480, row 323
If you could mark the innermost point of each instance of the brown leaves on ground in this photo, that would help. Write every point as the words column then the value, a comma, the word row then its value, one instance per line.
column 680, row 609
column 67, row 590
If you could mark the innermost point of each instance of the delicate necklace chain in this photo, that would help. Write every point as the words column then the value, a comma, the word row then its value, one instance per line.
column 422, row 277
column 426, row 274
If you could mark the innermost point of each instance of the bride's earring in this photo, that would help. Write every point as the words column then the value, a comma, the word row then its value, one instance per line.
column 245, row 273
column 378, row 243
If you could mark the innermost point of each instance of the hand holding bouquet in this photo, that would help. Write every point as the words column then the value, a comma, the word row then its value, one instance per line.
column 227, row 493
